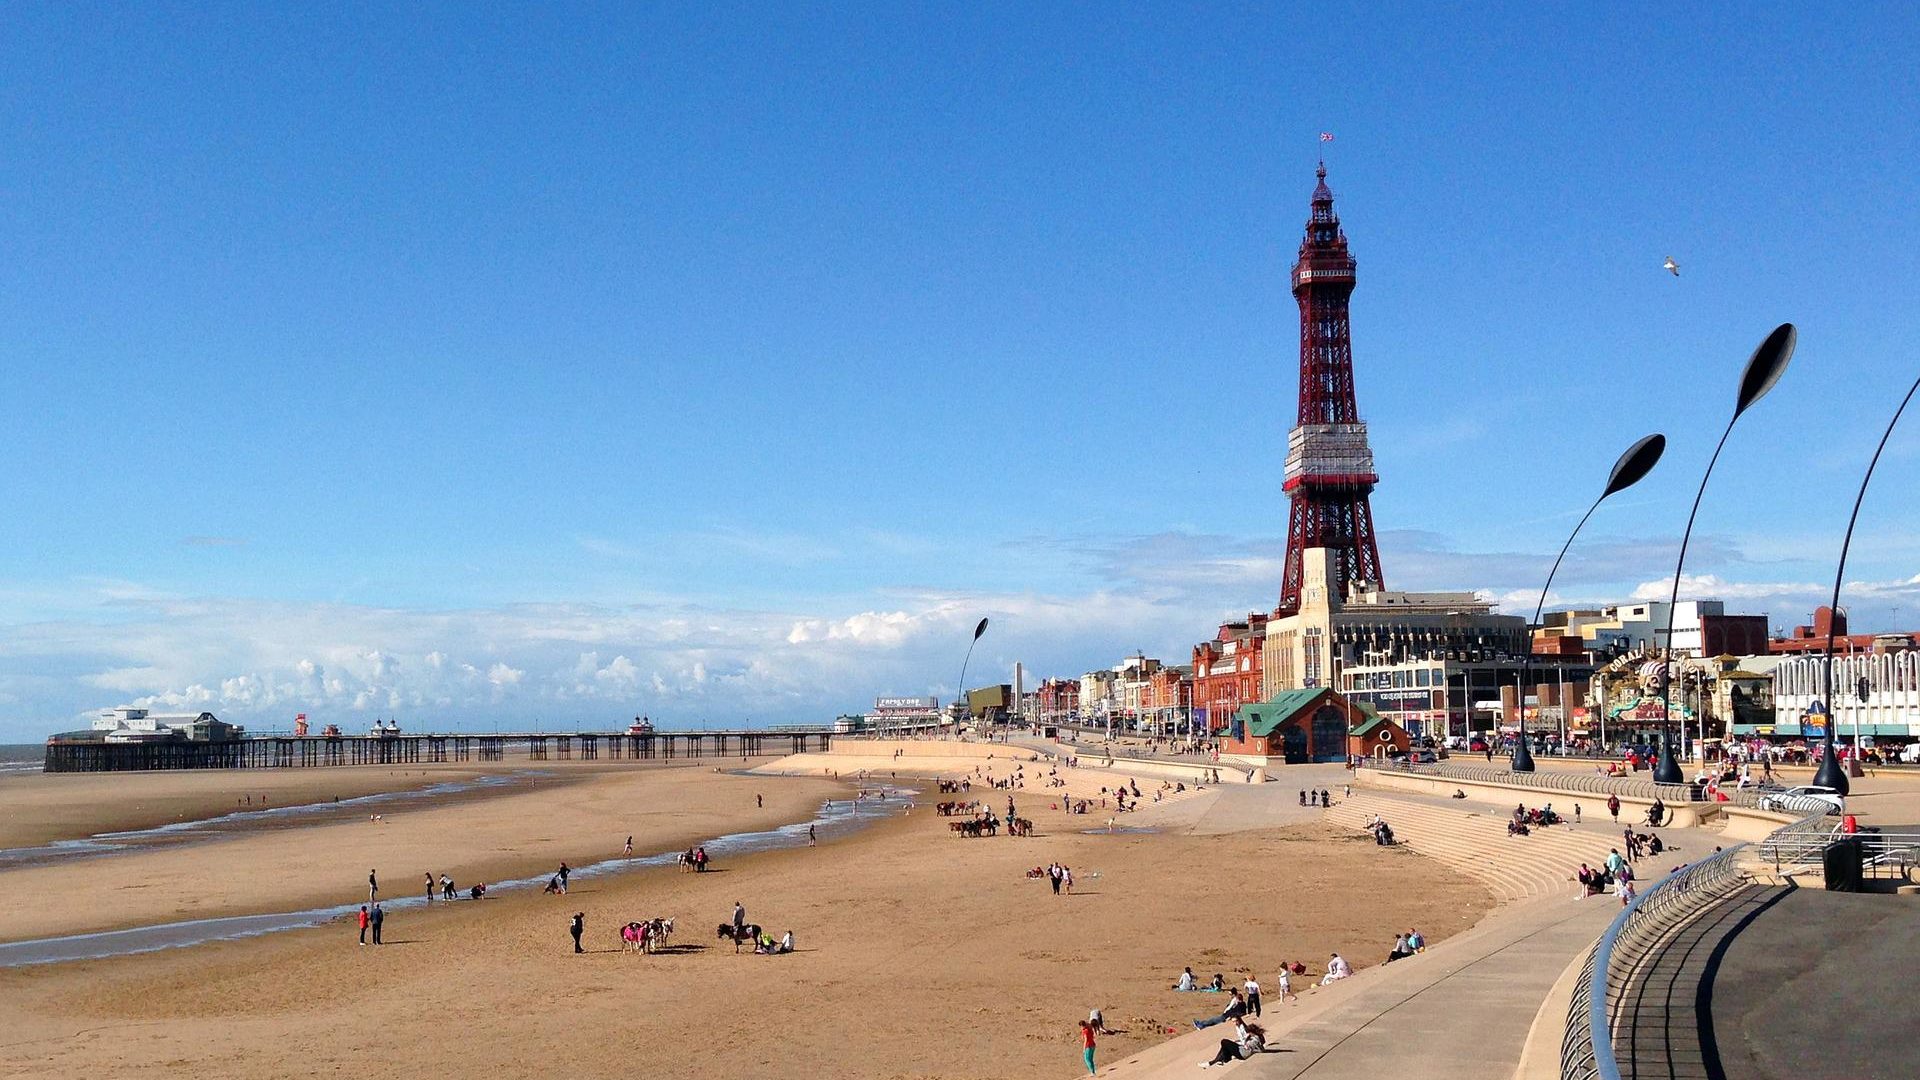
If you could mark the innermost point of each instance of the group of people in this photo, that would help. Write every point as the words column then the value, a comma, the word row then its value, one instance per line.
column 1382, row 832
column 1405, row 945
column 1615, row 873
column 763, row 940
column 1060, row 878
column 1245, row 999
column 1525, row 820
column 1318, row 798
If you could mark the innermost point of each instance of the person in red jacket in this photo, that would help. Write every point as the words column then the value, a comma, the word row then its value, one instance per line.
column 363, row 924
column 1086, row 1038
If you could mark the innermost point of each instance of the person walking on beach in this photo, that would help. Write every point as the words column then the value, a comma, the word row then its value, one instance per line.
column 739, row 919
column 363, row 924
column 1286, row 984
column 577, row 928
column 628, row 850
column 376, row 917
column 1253, row 994
column 811, row 840
column 563, row 872
column 759, row 803
column 1086, row 1040
column 373, row 887
column 429, row 886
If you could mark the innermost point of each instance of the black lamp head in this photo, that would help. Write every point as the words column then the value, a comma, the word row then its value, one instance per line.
column 981, row 629
column 1636, row 463
column 1765, row 366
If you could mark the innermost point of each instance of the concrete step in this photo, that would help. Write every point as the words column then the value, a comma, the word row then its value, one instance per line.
column 1475, row 842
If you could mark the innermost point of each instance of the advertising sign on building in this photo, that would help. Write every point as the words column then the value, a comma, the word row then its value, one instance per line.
column 885, row 703
column 1647, row 710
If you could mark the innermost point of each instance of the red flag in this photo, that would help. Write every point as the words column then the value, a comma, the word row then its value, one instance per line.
column 1326, row 136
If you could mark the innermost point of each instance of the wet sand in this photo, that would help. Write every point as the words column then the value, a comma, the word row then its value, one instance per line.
column 44, row 807
column 922, row 955
column 577, row 813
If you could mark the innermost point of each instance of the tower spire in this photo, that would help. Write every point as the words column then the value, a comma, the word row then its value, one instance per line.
column 1329, row 469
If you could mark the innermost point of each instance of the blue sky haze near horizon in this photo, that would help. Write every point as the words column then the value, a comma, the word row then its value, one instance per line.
column 478, row 366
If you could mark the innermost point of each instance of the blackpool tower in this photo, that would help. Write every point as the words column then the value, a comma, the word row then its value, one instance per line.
column 1329, row 470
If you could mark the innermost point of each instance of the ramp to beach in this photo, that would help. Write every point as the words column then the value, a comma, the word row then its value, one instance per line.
column 1461, row 1010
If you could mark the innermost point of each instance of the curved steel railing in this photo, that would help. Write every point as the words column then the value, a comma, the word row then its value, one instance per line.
column 1804, row 841
column 1586, row 1051
column 1572, row 783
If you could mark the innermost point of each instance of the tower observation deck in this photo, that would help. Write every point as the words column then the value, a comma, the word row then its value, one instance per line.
column 1329, row 467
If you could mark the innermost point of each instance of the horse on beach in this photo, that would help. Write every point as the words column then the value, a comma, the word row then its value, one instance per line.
column 748, row 934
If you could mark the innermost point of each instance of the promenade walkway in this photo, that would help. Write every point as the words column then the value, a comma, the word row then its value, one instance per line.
column 1462, row 1009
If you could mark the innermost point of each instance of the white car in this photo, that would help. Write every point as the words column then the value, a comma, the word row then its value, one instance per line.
column 1794, row 798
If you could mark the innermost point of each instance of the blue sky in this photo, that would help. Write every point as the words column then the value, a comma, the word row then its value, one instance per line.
column 486, row 367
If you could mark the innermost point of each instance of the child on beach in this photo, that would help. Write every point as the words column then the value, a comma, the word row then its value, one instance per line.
column 1086, row 1039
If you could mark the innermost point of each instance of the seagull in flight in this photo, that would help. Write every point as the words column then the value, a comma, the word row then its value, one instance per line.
column 1671, row 267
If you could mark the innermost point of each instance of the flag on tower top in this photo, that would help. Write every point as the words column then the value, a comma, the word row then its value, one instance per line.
column 1326, row 136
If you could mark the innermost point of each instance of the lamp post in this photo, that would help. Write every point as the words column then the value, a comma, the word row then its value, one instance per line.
column 1636, row 463
column 1764, row 368
column 968, row 705
column 1830, row 773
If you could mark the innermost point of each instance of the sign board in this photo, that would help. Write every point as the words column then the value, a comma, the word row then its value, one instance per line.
column 1814, row 725
column 906, row 703
column 1647, row 710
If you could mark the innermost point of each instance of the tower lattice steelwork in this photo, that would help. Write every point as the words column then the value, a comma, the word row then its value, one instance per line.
column 1329, row 470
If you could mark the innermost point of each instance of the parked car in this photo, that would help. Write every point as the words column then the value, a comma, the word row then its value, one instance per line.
column 1478, row 746
column 1789, row 799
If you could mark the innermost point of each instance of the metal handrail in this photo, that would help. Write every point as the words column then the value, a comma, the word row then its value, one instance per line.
column 1572, row 783
column 1586, row 1051
column 1802, row 842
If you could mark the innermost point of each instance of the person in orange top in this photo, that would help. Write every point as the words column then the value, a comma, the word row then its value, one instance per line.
column 363, row 924
column 1086, row 1037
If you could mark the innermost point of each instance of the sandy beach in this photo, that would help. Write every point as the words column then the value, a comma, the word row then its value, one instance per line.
column 921, row 954
column 578, row 814
column 43, row 807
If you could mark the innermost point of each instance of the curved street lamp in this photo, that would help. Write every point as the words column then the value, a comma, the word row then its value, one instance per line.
column 1633, row 465
column 1830, row 773
column 977, row 631
column 1764, row 368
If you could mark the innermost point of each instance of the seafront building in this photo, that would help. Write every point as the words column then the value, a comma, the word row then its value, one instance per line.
column 130, row 724
column 1889, row 710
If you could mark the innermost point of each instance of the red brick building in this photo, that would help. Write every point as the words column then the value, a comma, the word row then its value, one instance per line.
column 1297, row 726
column 1058, row 699
column 1169, row 688
column 1813, row 639
column 1226, row 671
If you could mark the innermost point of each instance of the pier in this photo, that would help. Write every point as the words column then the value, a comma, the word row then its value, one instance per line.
column 302, row 751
